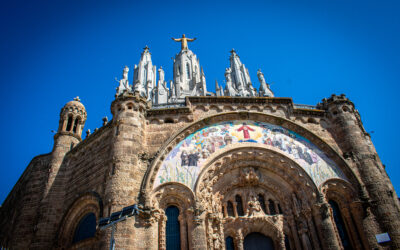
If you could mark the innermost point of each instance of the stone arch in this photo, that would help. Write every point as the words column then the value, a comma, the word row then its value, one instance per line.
column 90, row 202
column 177, row 195
column 248, row 154
column 172, row 193
column 350, row 208
column 149, row 179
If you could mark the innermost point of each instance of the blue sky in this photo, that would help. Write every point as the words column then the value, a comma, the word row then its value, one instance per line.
column 52, row 51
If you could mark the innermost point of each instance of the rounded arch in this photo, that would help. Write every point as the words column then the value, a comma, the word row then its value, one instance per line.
column 172, row 194
column 167, row 147
column 253, row 155
column 87, row 203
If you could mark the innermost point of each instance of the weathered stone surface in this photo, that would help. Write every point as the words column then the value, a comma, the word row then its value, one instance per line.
column 116, row 166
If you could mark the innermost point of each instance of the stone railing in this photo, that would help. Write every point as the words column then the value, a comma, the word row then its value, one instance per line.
column 169, row 105
column 304, row 106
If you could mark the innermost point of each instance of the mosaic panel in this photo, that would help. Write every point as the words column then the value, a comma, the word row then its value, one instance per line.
column 184, row 163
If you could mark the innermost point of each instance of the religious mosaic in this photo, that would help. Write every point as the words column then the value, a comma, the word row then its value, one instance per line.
column 184, row 163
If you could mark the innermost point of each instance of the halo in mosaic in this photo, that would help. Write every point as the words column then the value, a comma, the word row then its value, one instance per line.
column 184, row 163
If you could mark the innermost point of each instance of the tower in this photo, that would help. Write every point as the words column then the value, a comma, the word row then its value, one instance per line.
column 127, row 146
column 144, row 75
column 189, row 79
column 72, row 120
column 380, row 198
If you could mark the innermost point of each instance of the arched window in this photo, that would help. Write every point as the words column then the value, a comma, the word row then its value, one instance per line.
column 188, row 70
column 229, row 208
column 239, row 205
column 229, row 245
column 86, row 228
column 262, row 202
column 271, row 207
column 173, row 234
column 69, row 123
column 337, row 216
column 144, row 75
column 76, row 123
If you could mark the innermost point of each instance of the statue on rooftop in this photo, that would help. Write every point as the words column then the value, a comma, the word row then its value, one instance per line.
column 184, row 40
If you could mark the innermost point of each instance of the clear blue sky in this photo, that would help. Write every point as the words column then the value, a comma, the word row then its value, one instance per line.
column 52, row 51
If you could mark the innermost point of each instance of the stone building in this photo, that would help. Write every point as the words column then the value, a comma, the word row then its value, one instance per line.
column 233, row 169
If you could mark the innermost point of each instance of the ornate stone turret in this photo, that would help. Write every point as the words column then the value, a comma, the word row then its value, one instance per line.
column 264, row 86
column 238, row 79
column 72, row 119
column 144, row 76
column 189, row 79
column 347, row 129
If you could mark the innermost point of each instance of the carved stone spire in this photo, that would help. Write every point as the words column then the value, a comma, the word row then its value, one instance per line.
column 144, row 76
column 239, row 77
column 189, row 79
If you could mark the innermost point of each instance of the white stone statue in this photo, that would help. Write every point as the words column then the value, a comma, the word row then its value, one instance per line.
column 124, row 82
column 264, row 86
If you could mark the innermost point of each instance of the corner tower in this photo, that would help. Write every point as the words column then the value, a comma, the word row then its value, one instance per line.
column 380, row 201
column 72, row 120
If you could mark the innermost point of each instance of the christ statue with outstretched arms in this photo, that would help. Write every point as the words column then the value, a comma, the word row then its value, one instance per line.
column 184, row 40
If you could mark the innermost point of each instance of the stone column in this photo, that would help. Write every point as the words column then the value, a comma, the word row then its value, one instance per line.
column 352, row 231
column 326, row 228
column 357, row 213
column 293, row 229
column 162, row 223
column 239, row 239
column 183, row 231
column 312, row 231
column 235, row 209
column 267, row 206
column 197, row 231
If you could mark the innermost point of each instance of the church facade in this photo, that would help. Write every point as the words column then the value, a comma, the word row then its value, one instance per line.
column 232, row 169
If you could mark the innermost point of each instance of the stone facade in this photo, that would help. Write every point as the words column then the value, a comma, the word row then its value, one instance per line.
column 282, row 178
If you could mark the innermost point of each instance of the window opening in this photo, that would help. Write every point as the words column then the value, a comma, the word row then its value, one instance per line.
column 239, row 205
column 86, row 228
column 271, row 207
column 76, row 123
column 262, row 202
column 173, row 235
column 69, row 123
column 337, row 216
column 229, row 243
column 229, row 208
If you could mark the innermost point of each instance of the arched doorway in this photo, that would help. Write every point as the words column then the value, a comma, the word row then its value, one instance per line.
column 258, row 241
